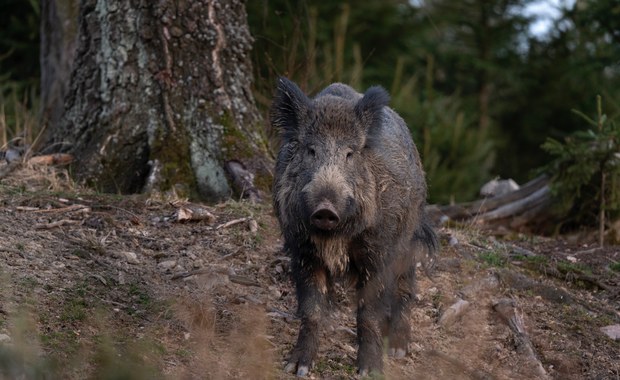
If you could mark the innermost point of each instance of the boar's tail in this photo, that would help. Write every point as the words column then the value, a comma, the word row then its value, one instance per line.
column 427, row 245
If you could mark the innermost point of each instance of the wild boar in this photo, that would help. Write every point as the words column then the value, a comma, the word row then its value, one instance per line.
column 349, row 194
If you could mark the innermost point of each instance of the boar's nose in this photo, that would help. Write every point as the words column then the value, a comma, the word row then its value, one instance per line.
column 325, row 216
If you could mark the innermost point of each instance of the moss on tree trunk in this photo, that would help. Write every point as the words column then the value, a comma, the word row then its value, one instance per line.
column 160, row 96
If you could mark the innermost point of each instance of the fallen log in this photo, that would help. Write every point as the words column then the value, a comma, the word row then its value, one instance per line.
column 467, row 210
column 530, row 204
column 516, row 207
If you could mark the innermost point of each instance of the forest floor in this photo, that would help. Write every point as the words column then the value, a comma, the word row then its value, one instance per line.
column 109, row 286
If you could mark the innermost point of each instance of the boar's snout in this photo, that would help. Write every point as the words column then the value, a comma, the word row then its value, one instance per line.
column 325, row 217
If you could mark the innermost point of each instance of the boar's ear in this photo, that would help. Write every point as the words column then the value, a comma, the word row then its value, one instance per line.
column 290, row 105
column 368, row 109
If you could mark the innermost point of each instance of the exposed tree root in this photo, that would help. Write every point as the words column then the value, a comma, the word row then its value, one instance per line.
column 506, row 308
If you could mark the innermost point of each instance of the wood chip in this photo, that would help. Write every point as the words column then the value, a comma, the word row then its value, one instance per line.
column 253, row 226
column 191, row 212
column 130, row 257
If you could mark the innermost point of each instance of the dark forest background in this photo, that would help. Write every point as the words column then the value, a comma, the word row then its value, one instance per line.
column 480, row 92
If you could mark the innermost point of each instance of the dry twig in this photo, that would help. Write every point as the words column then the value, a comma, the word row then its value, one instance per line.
column 59, row 223
column 232, row 223
column 74, row 207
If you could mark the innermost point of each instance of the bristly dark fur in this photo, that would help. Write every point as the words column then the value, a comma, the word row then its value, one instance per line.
column 289, row 105
column 349, row 193
column 370, row 106
column 426, row 236
column 370, row 109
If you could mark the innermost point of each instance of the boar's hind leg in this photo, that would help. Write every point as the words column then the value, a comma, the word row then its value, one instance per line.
column 312, row 292
column 401, row 299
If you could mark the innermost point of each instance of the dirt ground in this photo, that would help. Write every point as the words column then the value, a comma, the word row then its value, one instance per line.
column 108, row 287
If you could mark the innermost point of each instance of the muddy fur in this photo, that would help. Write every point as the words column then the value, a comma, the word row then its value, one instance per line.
column 350, row 157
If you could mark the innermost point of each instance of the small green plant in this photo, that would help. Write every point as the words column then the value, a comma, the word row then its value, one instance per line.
column 140, row 295
column 75, row 309
column 493, row 258
column 184, row 354
column 568, row 267
column 28, row 282
column 533, row 260
column 615, row 266
column 65, row 341
column 331, row 365
column 586, row 172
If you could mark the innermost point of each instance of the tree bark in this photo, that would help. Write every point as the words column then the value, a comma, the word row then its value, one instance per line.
column 59, row 21
column 160, row 97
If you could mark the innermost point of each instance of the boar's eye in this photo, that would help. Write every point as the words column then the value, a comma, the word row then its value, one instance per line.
column 311, row 151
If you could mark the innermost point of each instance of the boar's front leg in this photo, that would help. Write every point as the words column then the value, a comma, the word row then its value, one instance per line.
column 312, row 288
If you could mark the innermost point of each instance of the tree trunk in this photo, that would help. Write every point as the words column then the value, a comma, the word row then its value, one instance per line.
column 484, row 85
column 59, row 21
column 160, row 97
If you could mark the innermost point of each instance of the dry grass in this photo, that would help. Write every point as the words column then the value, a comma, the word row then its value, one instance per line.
column 19, row 119
column 226, row 344
column 20, row 127
column 34, row 178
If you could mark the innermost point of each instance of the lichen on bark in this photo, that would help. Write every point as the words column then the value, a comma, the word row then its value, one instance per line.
column 160, row 96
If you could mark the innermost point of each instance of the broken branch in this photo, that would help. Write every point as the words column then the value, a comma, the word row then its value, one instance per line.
column 506, row 308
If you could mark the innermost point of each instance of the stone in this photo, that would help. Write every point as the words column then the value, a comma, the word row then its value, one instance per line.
column 167, row 264
column 612, row 331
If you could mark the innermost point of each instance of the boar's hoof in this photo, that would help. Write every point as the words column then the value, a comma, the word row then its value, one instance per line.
column 325, row 217
column 302, row 370
column 397, row 353
column 365, row 372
